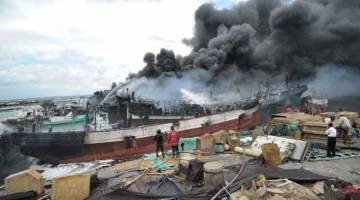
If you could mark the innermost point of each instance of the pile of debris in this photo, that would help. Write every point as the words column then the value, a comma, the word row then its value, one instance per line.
column 255, row 143
column 313, row 128
column 277, row 189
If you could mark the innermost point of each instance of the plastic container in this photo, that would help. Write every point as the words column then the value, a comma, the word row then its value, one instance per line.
column 219, row 148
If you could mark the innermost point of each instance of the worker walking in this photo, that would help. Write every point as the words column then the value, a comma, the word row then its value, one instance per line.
column 331, row 143
column 173, row 140
column 344, row 128
column 159, row 143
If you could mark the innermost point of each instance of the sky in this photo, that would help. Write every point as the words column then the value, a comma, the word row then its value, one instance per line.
column 76, row 47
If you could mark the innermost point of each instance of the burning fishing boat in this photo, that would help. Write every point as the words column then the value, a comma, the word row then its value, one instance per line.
column 126, row 126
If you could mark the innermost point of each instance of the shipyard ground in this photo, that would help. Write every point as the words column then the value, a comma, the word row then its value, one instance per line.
column 345, row 169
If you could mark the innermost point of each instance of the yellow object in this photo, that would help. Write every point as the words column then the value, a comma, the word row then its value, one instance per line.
column 24, row 181
column 221, row 137
column 260, row 180
column 235, row 142
column 145, row 164
column 206, row 143
column 271, row 153
column 255, row 152
column 297, row 135
column 318, row 128
column 75, row 187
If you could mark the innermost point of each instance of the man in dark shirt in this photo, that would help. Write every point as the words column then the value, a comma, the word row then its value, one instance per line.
column 159, row 142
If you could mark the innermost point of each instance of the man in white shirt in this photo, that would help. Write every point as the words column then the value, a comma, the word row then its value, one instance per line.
column 331, row 133
column 344, row 128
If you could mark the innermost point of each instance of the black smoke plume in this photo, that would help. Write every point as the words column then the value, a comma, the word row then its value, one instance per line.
column 261, row 39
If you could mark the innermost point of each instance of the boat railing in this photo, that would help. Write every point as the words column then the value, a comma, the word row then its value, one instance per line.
column 129, row 128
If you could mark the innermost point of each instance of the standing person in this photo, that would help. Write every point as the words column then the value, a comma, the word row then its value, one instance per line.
column 173, row 140
column 159, row 143
column 289, row 109
column 331, row 143
column 322, row 109
column 344, row 128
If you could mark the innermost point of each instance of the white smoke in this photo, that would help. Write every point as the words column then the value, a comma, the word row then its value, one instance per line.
column 196, row 85
column 335, row 81
column 202, row 98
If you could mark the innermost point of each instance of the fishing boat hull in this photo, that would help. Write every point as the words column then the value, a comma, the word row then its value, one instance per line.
column 51, row 146
column 116, row 143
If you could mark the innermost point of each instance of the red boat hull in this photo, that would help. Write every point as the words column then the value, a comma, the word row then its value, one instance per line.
column 113, row 150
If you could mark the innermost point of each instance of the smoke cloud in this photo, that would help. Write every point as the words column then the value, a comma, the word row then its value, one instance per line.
column 254, row 41
column 333, row 81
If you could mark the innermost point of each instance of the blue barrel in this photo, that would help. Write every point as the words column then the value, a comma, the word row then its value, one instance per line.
column 219, row 148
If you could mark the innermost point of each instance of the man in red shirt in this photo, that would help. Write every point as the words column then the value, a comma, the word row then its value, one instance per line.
column 289, row 109
column 173, row 140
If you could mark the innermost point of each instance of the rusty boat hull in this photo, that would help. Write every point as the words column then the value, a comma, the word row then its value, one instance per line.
column 87, row 146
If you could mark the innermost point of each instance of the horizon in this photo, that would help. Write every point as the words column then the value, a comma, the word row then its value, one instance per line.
column 44, row 97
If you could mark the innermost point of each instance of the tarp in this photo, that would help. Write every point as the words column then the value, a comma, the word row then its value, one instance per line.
column 158, row 164
column 162, row 188
column 244, row 134
column 198, row 192
column 188, row 144
column 129, row 195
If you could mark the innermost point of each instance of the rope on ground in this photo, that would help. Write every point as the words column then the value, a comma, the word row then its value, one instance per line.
column 227, row 192
column 127, row 184
column 47, row 196
column 231, row 182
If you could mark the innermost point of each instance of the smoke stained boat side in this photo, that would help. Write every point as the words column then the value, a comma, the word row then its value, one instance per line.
column 65, row 147
column 85, row 146
column 48, row 146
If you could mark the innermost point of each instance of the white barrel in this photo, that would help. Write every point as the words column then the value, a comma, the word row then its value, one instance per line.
column 185, row 159
column 214, row 174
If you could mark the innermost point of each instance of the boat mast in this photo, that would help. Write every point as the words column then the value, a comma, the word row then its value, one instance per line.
column 87, row 120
